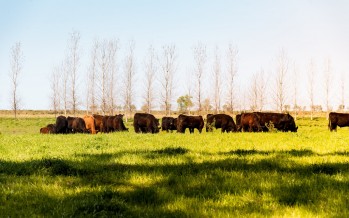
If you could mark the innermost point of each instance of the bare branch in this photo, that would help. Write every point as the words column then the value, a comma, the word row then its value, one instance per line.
column 200, row 61
column 168, row 69
column 16, row 69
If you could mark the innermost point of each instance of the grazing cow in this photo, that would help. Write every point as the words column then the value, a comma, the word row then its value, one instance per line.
column 44, row 130
column 223, row 121
column 337, row 119
column 115, row 123
column 104, row 124
column 118, row 123
column 90, row 123
column 98, row 122
column 168, row 124
column 250, row 122
column 61, row 125
column 282, row 122
column 49, row 129
column 108, row 124
column 145, row 123
column 70, row 124
column 191, row 122
column 78, row 125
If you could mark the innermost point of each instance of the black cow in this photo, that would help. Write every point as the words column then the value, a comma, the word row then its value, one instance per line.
column 61, row 125
column 223, row 121
column 337, row 119
column 282, row 122
column 250, row 122
column 145, row 123
column 191, row 122
column 168, row 124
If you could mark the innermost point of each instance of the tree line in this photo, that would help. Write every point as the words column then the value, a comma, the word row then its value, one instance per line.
column 110, row 81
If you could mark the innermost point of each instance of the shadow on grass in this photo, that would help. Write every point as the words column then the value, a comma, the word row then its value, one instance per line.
column 291, row 184
column 292, row 152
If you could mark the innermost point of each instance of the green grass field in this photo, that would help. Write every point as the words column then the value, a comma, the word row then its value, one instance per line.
column 303, row 174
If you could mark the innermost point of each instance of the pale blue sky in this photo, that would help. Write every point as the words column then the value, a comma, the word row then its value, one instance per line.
column 305, row 29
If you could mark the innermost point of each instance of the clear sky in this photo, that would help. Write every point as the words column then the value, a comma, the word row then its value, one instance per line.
column 306, row 29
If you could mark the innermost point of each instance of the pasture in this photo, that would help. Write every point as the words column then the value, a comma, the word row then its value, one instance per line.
column 303, row 174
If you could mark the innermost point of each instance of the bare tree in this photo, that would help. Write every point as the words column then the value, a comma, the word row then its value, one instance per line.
column 262, row 90
column 73, row 64
column 280, row 80
column 91, row 102
column 103, row 75
column 168, row 69
column 258, row 91
column 16, row 69
column 150, row 71
column 200, row 61
column 311, row 77
column 112, row 49
column 232, row 72
column 55, row 90
column 254, row 93
column 189, row 89
column 342, row 106
column 65, row 79
column 129, row 70
column 327, row 83
column 295, row 90
column 217, row 92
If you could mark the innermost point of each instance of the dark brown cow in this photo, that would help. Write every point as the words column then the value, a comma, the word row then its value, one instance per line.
column 118, row 123
column 145, row 123
column 223, row 121
column 282, row 122
column 76, row 125
column 250, row 122
column 49, row 129
column 168, row 124
column 98, row 122
column 104, row 124
column 79, row 126
column 191, row 122
column 337, row 119
column 115, row 123
column 238, row 122
column 61, row 125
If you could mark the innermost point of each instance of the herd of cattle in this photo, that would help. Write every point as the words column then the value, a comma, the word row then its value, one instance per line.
column 147, row 123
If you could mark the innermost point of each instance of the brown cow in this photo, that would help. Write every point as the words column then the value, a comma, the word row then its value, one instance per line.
column 250, row 122
column 145, row 123
column 90, row 123
column 98, row 122
column 49, row 129
column 282, row 122
column 223, row 121
column 191, row 122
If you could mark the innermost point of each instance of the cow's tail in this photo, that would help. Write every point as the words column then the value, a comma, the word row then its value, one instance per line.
column 329, row 124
